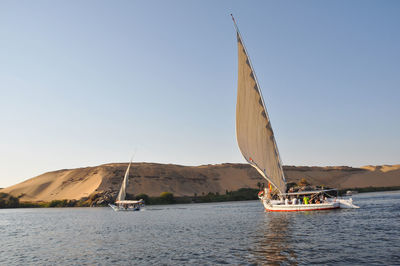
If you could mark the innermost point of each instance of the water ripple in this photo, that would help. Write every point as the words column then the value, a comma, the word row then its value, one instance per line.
column 207, row 234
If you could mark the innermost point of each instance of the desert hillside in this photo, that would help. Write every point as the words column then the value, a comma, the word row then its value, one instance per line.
column 153, row 178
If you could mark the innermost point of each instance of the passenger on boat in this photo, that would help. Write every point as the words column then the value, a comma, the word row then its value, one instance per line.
column 306, row 199
column 294, row 201
column 286, row 201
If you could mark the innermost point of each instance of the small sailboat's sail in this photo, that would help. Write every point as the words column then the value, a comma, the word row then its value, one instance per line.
column 253, row 127
column 122, row 192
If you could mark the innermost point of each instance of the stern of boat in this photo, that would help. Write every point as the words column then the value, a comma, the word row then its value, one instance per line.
column 347, row 204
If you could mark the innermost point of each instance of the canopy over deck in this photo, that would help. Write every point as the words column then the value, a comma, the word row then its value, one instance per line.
column 308, row 192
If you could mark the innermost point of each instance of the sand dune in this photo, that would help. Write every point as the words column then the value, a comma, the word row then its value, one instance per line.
column 152, row 179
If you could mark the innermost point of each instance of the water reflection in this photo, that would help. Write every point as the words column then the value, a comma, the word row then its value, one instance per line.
column 273, row 244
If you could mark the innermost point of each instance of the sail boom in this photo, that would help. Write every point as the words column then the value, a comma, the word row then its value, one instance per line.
column 268, row 179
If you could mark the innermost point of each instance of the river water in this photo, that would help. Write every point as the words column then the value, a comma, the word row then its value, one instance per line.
column 217, row 233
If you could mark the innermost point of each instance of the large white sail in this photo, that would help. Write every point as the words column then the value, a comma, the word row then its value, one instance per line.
column 253, row 127
column 122, row 191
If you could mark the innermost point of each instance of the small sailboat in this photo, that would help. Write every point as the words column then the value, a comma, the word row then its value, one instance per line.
column 121, row 204
column 257, row 144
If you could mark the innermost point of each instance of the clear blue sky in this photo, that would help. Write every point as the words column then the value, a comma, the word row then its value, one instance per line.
column 84, row 83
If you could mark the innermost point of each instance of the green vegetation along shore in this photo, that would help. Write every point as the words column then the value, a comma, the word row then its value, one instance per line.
column 7, row 201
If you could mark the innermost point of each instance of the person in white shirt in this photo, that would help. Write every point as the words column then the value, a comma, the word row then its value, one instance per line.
column 286, row 201
column 294, row 201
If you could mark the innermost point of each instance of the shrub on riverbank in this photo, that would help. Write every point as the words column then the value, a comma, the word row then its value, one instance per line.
column 8, row 201
column 168, row 197
column 368, row 189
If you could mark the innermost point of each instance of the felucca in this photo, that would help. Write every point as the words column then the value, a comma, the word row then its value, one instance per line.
column 121, row 204
column 257, row 144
